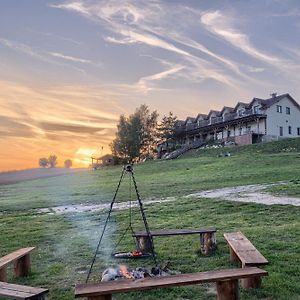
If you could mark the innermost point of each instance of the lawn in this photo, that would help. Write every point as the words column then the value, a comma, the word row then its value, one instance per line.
column 66, row 242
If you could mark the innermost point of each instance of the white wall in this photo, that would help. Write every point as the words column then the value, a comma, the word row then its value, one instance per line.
column 275, row 119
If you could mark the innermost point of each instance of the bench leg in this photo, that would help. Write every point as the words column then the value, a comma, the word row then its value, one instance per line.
column 233, row 256
column 22, row 266
column 102, row 297
column 251, row 283
column 228, row 290
column 40, row 297
column 144, row 243
column 208, row 243
column 3, row 274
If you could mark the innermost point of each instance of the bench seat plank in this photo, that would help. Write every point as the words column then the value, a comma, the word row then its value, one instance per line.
column 24, row 288
column 166, row 232
column 112, row 287
column 14, row 256
column 16, row 291
column 245, row 250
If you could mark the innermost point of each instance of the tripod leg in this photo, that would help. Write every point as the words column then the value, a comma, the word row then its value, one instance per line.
column 105, row 225
column 151, row 244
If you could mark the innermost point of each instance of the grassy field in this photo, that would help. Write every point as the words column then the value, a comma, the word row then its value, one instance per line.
column 66, row 242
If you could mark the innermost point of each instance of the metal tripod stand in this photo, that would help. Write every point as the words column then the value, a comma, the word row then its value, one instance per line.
column 126, row 169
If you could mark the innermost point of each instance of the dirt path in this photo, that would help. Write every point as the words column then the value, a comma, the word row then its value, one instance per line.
column 247, row 193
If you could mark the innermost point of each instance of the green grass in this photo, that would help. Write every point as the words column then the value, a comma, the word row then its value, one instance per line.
column 66, row 243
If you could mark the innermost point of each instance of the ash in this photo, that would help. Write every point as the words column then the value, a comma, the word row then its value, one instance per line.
column 122, row 272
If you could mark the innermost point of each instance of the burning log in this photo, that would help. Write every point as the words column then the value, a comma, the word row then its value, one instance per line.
column 133, row 254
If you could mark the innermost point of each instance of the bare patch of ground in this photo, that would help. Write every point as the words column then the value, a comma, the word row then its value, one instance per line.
column 79, row 208
column 248, row 193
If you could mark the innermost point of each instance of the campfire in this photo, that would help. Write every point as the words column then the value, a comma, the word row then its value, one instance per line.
column 123, row 272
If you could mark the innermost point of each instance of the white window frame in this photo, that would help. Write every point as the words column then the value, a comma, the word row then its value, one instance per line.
column 279, row 109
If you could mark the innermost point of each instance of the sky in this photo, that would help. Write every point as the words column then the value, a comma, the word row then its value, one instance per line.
column 68, row 69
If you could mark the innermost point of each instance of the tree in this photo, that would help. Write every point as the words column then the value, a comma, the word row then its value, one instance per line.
column 52, row 161
column 135, row 137
column 166, row 128
column 43, row 162
column 68, row 163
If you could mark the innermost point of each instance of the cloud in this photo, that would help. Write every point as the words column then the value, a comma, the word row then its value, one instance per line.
column 71, row 58
column 141, row 23
column 48, row 57
column 39, row 120
column 13, row 127
column 73, row 128
column 75, row 6
column 144, row 82
column 222, row 26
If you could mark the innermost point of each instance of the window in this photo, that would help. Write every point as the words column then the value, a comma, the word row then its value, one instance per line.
column 279, row 108
column 228, row 133
column 281, row 131
column 241, row 112
column 240, row 130
column 288, row 110
column 290, row 129
column 256, row 109
column 298, row 130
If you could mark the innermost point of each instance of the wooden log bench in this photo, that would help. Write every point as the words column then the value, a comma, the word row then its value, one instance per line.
column 226, row 281
column 21, row 258
column 243, row 251
column 15, row 291
column 207, row 238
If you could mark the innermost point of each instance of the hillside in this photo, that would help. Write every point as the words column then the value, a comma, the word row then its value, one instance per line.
column 31, row 174
column 66, row 238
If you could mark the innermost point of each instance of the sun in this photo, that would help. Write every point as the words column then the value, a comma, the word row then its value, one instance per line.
column 83, row 155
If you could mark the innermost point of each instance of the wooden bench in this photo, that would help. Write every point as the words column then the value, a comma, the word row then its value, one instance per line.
column 243, row 251
column 207, row 238
column 16, row 291
column 227, row 283
column 21, row 258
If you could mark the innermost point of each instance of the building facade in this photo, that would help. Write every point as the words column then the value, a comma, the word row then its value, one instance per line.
column 246, row 123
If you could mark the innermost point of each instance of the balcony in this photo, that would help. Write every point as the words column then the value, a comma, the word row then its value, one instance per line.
column 216, row 121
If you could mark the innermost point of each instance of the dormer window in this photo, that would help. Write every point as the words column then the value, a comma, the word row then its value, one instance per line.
column 241, row 112
column 256, row 109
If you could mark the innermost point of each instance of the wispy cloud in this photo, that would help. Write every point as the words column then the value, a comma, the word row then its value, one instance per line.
column 45, row 56
column 141, row 23
column 70, row 58
column 222, row 26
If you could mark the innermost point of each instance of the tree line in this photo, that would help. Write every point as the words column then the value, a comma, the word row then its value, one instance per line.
column 139, row 134
column 51, row 162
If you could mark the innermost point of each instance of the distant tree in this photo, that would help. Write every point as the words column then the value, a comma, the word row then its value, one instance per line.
column 135, row 137
column 43, row 162
column 165, row 130
column 52, row 161
column 68, row 163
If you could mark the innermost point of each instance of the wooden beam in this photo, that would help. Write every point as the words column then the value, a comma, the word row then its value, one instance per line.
column 123, row 286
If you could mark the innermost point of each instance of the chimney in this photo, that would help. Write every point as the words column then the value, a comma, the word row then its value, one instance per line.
column 273, row 95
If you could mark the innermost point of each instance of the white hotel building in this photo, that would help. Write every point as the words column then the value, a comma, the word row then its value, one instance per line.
column 246, row 123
